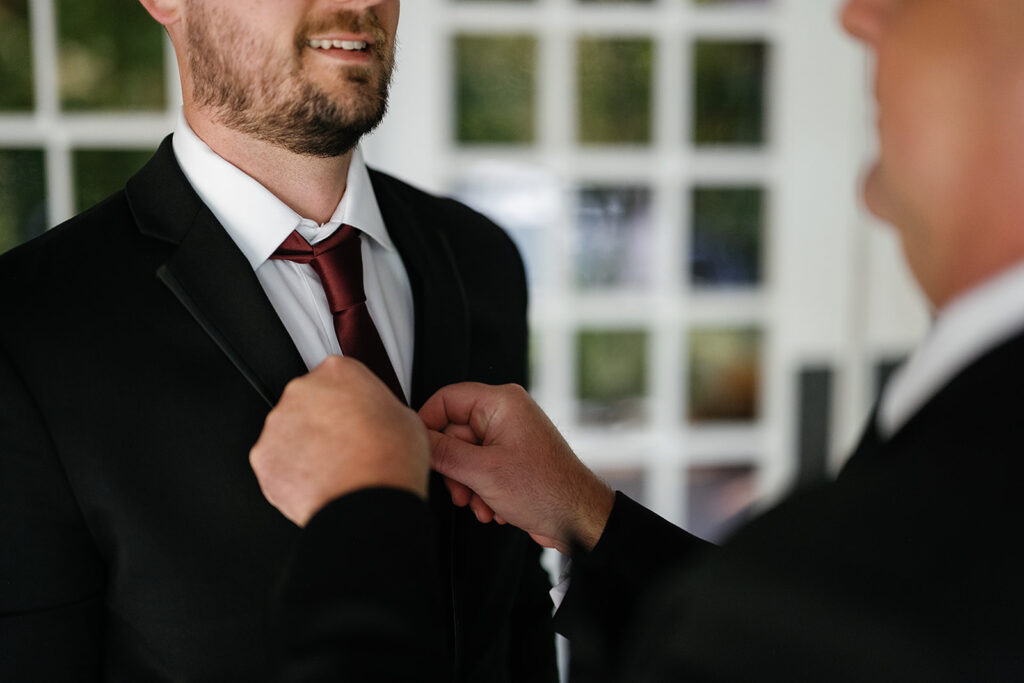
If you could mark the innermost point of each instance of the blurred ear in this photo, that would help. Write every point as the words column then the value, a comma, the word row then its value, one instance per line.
column 166, row 12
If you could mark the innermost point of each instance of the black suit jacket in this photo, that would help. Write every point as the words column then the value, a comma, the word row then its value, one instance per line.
column 907, row 568
column 138, row 359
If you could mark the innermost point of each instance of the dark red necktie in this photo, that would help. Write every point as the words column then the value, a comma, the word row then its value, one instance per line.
column 338, row 262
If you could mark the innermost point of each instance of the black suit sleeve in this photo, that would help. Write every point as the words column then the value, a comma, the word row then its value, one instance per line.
column 607, row 584
column 360, row 600
column 51, row 578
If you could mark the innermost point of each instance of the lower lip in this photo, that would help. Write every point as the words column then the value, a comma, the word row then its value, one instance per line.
column 353, row 56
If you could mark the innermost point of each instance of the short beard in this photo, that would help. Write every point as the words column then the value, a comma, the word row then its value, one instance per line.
column 277, row 107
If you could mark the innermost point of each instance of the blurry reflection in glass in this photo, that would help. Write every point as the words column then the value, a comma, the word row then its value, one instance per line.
column 612, row 241
column 725, row 374
column 719, row 499
column 522, row 199
column 611, row 380
column 727, row 236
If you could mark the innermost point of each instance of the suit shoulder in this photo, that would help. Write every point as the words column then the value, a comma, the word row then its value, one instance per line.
column 462, row 224
column 68, row 247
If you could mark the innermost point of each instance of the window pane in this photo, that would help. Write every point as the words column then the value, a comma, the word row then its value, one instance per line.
column 727, row 236
column 730, row 92
column 719, row 499
column 612, row 242
column 100, row 173
column 725, row 374
column 111, row 56
column 495, row 86
column 22, row 196
column 614, row 90
column 611, row 380
column 15, row 56
column 523, row 199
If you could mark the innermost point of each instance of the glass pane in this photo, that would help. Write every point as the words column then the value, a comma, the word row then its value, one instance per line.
column 15, row 56
column 719, row 499
column 612, row 241
column 611, row 380
column 111, row 56
column 22, row 196
column 629, row 480
column 725, row 374
column 524, row 200
column 495, row 86
column 730, row 94
column 100, row 173
column 727, row 236
column 614, row 90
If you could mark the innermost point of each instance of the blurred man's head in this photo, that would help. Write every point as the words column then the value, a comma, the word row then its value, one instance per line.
column 950, row 90
column 310, row 76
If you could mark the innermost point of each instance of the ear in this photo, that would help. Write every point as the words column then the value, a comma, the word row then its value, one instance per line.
column 166, row 12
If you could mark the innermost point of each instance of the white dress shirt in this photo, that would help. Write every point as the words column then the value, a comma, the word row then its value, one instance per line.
column 970, row 325
column 259, row 222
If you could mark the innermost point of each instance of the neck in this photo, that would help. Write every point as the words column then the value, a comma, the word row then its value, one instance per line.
column 310, row 186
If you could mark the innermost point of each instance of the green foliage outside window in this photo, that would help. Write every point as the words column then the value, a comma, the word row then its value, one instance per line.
column 22, row 196
column 495, row 86
column 111, row 56
column 101, row 172
column 614, row 90
column 15, row 56
column 730, row 95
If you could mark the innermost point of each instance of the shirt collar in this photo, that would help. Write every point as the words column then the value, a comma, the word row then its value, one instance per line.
column 256, row 220
column 964, row 330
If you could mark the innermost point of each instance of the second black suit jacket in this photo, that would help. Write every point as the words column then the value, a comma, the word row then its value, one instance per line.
column 906, row 568
column 138, row 359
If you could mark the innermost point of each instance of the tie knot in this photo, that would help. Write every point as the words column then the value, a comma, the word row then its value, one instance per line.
column 337, row 260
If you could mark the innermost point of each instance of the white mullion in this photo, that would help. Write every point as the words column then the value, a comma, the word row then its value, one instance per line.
column 59, row 187
column 60, row 198
column 43, row 29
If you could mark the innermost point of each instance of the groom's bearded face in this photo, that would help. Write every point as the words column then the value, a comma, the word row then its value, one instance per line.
column 262, row 69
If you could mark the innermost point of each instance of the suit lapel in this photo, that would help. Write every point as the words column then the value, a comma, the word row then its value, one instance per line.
column 211, row 278
column 442, row 343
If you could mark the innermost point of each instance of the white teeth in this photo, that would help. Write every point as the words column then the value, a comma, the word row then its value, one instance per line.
column 339, row 44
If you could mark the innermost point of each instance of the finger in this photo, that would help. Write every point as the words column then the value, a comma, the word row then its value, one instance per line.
column 456, row 459
column 457, row 404
column 500, row 520
column 484, row 513
column 460, row 492
column 464, row 432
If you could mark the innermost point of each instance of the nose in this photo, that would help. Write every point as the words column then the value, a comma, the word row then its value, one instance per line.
column 862, row 19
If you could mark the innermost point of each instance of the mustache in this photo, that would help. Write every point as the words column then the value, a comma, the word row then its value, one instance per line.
column 344, row 21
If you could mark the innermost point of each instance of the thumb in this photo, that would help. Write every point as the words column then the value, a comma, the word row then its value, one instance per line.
column 454, row 458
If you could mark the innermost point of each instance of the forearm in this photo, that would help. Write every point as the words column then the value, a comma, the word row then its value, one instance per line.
column 361, row 598
column 608, row 582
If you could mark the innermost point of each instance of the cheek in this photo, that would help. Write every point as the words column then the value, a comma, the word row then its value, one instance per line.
column 925, row 128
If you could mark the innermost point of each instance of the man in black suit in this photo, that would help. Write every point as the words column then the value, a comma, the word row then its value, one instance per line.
column 903, row 569
column 144, row 342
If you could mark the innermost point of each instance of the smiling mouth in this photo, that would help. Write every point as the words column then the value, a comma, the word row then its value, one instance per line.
column 347, row 45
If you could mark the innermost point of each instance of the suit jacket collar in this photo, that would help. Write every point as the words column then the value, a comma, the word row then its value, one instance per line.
column 442, row 334
column 211, row 278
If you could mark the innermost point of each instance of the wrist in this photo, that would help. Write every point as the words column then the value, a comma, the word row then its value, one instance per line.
column 592, row 515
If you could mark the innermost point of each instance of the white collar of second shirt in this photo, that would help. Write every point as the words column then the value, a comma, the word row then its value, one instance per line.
column 967, row 328
column 256, row 220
